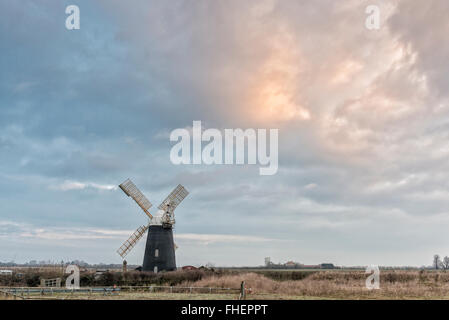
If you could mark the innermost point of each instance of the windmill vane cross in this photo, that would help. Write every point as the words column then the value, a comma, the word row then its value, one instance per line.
column 164, row 217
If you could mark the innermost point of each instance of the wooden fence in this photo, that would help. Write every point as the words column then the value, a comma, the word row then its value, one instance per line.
column 30, row 292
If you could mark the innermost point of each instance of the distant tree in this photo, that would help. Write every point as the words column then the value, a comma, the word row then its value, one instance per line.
column 436, row 261
column 445, row 263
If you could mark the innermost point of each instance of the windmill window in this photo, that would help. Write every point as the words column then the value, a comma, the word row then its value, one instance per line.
column 156, row 253
column 155, row 269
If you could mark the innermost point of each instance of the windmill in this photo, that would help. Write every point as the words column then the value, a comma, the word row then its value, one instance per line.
column 160, row 247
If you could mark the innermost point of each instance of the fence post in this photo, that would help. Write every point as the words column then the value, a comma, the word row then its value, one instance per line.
column 242, row 291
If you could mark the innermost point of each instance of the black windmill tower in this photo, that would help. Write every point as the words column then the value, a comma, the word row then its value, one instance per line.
column 160, row 247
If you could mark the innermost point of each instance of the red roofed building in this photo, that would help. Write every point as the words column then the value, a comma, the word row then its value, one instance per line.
column 189, row 268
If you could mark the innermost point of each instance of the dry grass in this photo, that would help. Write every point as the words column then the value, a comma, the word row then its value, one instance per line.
column 342, row 285
column 337, row 284
column 158, row 296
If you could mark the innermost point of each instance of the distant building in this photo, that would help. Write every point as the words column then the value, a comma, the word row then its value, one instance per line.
column 267, row 261
column 5, row 272
column 310, row 266
column 290, row 264
column 327, row 266
column 189, row 268
column 99, row 273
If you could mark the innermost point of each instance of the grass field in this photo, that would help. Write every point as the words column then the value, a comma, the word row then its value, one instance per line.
column 286, row 284
column 167, row 296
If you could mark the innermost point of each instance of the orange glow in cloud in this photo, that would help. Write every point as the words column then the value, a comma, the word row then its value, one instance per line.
column 274, row 95
column 345, row 71
column 276, row 102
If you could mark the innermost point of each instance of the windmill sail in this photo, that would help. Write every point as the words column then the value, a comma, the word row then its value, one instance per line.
column 131, row 242
column 132, row 191
column 160, row 247
column 174, row 198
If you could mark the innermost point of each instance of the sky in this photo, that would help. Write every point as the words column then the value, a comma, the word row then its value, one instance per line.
column 363, row 120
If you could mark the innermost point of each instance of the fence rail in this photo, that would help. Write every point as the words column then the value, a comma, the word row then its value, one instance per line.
column 10, row 295
column 26, row 292
column 175, row 289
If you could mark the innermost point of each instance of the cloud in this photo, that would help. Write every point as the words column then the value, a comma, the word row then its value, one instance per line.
column 75, row 185
column 27, row 231
column 362, row 118
column 214, row 238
